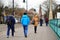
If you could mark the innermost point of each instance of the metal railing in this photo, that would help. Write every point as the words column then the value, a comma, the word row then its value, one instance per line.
column 55, row 25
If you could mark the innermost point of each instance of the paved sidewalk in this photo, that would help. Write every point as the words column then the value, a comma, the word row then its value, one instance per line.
column 43, row 33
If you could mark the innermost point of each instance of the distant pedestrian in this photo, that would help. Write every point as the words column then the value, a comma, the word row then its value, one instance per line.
column 25, row 20
column 10, row 25
column 46, row 21
column 36, row 21
column 41, row 21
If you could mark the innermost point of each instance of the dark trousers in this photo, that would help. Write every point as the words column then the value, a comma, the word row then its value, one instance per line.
column 40, row 23
column 8, row 30
column 25, row 27
column 46, row 23
column 35, row 29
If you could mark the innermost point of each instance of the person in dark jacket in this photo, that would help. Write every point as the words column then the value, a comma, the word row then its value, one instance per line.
column 41, row 21
column 10, row 25
column 25, row 20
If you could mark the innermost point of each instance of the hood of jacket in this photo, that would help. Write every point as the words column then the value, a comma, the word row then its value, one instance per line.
column 24, row 16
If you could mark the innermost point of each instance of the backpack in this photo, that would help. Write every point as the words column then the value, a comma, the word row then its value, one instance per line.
column 9, row 22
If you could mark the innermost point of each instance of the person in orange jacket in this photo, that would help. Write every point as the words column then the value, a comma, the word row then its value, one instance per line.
column 36, row 21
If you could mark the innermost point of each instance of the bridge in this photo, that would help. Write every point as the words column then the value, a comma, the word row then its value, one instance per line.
column 43, row 33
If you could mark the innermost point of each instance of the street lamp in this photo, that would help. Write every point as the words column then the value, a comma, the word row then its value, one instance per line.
column 26, row 4
column 24, row 1
column 13, row 7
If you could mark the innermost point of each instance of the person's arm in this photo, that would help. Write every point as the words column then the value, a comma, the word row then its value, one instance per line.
column 21, row 20
column 28, row 20
column 6, row 21
column 32, row 19
column 14, row 21
column 38, row 19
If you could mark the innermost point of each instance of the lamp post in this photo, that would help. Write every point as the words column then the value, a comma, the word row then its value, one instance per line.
column 13, row 7
column 26, row 4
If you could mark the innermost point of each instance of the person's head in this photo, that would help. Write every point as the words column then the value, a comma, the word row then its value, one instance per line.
column 10, row 16
column 36, row 15
column 25, row 13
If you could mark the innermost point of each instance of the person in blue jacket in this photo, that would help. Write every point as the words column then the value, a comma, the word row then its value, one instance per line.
column 10, row 25
column 25, row 20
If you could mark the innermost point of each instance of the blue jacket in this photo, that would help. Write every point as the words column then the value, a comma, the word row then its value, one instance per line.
column 25, row 20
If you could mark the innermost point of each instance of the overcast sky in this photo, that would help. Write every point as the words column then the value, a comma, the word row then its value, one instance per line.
column 31, row 3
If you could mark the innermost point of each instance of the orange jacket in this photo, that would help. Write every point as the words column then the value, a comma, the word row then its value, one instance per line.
column 36, row 19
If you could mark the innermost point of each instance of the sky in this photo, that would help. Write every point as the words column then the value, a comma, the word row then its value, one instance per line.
column 31, row 3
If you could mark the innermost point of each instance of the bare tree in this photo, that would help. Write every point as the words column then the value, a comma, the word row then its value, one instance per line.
column 45, row 7
column 1, row 9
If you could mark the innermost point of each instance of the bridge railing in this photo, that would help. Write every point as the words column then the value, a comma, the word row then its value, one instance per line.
column 55, row 25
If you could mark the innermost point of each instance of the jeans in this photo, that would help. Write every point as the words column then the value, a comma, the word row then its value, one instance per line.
column 25, row 27
column 46, row 23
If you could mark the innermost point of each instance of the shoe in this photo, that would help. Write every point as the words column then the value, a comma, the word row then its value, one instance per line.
column 35, row 32
column 7, row 36
column 12, row 35
column 25, row 36
column 14, row 31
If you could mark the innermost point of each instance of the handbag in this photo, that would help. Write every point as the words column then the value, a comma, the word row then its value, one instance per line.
column 33, row 22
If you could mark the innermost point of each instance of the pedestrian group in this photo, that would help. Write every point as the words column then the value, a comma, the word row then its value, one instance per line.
column 25, row 21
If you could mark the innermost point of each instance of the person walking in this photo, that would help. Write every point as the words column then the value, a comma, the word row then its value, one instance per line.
column 36, row 21
column 25, row 20
column 46, row 21
column 41, row 21
column 10, row 25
